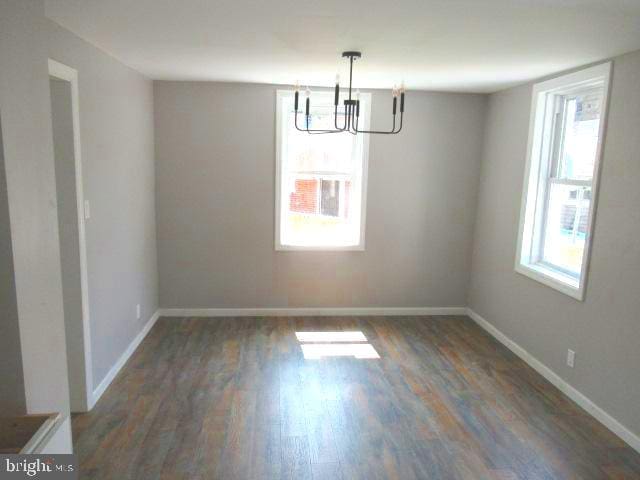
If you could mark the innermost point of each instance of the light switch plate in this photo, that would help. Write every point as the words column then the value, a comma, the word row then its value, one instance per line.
column 571, row 358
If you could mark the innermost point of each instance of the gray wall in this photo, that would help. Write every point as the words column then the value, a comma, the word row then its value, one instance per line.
column 63, row 148
column 604, row 329
column 116, row 129
column 215, row 153
column 12, row 399
column 30, row 179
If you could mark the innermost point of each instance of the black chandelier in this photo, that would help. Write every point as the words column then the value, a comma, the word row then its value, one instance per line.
column 351, row 108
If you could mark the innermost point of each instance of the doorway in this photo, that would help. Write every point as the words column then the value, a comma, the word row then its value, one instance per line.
column 65, row 119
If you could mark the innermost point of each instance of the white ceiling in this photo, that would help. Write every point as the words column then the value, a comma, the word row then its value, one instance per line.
column 456, row 45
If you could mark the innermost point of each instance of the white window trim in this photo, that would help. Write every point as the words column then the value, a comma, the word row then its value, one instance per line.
column 364, row 115
column 531, row 186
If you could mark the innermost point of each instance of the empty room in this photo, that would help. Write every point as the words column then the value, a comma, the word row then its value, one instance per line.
column 320, row 240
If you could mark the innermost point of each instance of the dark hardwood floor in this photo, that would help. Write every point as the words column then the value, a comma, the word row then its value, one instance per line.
column 235, row 398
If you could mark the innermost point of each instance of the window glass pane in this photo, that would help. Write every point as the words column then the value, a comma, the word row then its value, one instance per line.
column 330, row 200
column 579, row 134
column 321, row 179
column 566, row 227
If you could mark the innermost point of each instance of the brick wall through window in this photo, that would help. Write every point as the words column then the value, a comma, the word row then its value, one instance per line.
column 305, row 197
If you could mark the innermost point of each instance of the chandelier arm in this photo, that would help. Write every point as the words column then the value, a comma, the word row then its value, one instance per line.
column 295, row 122
column 380, row 132
column 356, row 120
column 335, row 119
column 311, row 131
column 400, row 127
column 391, row 132
column 354, row 130
column 322, row 132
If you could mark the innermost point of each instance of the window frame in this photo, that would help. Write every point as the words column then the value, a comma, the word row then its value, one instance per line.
column 541, row 160
column 365, row 113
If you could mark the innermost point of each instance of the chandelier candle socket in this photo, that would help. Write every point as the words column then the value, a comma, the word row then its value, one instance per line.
column 351, row 107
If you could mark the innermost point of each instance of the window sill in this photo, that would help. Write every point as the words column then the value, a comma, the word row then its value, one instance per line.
column 553, row 278
column 319, row 248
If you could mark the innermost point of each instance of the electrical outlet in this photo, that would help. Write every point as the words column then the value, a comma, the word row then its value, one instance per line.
column 571, row 358
column 138, row 311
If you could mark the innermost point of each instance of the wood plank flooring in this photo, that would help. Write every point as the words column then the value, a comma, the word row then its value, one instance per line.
column 234, row 398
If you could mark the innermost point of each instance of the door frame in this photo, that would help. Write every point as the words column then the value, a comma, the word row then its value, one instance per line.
column 63, row 72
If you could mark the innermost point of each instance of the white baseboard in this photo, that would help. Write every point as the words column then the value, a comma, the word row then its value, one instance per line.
column 56, row 441
column 309, row 312
column 594, row 410
column 106, row 381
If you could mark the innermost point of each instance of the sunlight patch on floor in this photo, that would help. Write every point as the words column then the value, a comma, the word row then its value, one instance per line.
column 331, row 337
column 316, row 351
column 335, row 344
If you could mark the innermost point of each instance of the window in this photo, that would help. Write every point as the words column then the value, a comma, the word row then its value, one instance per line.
column 565, row 143
column 320, row 178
